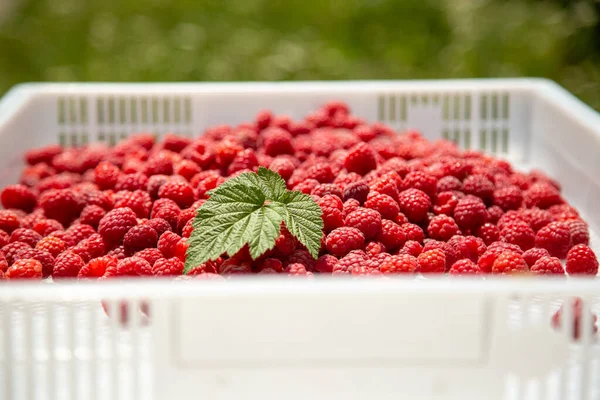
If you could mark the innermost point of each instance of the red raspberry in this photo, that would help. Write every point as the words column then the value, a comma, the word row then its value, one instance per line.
column 131, row 182
column 181, row 249
column 159, row 225
column 244, row 160
column 449, row 183
column 327, row 189
column 356, row 190
column 360, row 159
column 175, row 143
column 187, row 169
column 211, row 267
column 303, row 257
column 277, row 141
column 139, row 201
column 386, row 185
column 138, row 238
column 391, row 235
column 488, row 258
column 374, row 261
column 98, row 198
column 269, row 263
column 283, row 166
column 349, row 206
column 488, row 233
column 415, row 204
column 154, row 183
column 373, row 248
column 346, row 178
column 3, row 263
column 422, row 181
column 106, row 175
column 180, row 192
column 465, row 267
column 187, row 230
column 467, row 247
column 94, row 245
column 167, row 243
column 494, row 213
column 118, row 253
column 581, row 260
column 399, row 264
column 383, row 204
column 43, row 154
column 366, row 220
column 306, row 186
column 25, row 269
column 413, row 232
column 326, row 264
column 45, row 258
column 61, row 205
column 114, row 225
column 432, row 262
column 67, row 265
column 342, row 240
column 442, row 227
column 134, row 266
column 470, row 212
column 331, row 212
column 534, row 254
column 321, row 172
column 52, row 245
column 519, row 233
column 412, row 248
column 91, row 215
column 579, row 231
column 171, row 266
column 445, row 203
column 159, row 164
column 448, row 250
column 184, row 217
column 263, row 119
column 4, row 238
column 554, row 237
column 19, row 197
column 354, row 259
column 542, row 195
column 76, row 233
column 296, row 269
column 28, row 236
column 480, row 186
column 150, row 254
column 536, row 217
column 577, row 316
column 12, row 249
column 508, row 263
column 508, row 198
column 548, row 266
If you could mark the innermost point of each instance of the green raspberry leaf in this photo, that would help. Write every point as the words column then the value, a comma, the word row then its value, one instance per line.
column 249, row 210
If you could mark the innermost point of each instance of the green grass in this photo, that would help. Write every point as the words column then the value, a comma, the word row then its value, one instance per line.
column 215, row 40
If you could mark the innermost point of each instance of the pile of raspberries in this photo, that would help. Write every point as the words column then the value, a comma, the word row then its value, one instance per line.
column 392, row 204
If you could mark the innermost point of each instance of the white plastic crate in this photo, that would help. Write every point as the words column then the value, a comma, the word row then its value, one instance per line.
column 272, row 339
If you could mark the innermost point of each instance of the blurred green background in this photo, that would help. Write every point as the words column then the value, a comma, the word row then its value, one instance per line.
column 215, row 40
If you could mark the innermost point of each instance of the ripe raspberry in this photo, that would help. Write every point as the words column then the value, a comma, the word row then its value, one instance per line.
column 391, row 235
column 449, row 183
column 138, row 201
column 508, row 263
column 579, row 231
column 467, row 247
column 488, row 258
column 401, row 219
column 181, row 249
column 536, row 217
column 52, row 245
column 519, row 233
column 114, row 225
column 76, row 233
column 67, row 265
column 442, row 227
column 451, row 256
column 422, row 181
column 554, row 237
column 413, row 232
column 432, row 262
column 45, row 258
column 91, row 215
column 93, row 245
column 12, row 249
column 360, row 159
column 489, row 233
column 3, row 263
column 373, row 248
column 541, row 195
column 19, row 197
column 28, row 236
column 356, row 190
column 154, row 184
column 106, row 175
column 470, row 212
column 180, row 192
column 412, row 248
column 25, row 269
column 326, row 264
column 131, row 182
column 118, row 253
column 465, row 267
column 43, row 154
column 494, row 213
column 244, row 160
column 277, row 141
column 211, row 267
column 175, row 143
column 306, row 186
column 331, row 213
column 445, row 203
column 167, row 243
column 46, row 226
column 321, row 172
column 4, row 238
column 303, row 257
column 534, row 254
column 354, row 259
column 101, row 267
column 159, row 164
column 577, row 317
column 296, row 269
column 366, row 220
column 133, row 266
column 171, row 266
column 581, row 260
column 187, row 169
column 402, row 263
column 62, row 205
column 138, row 238
column 327, row 189
column 415, row 204
column 159, row 225
column 479, row 186
column 98, row 198
column 386, row 185
column 508, row 198
column 548, row 266
column 150, row 255
column 383, row 204
column 184, row 217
